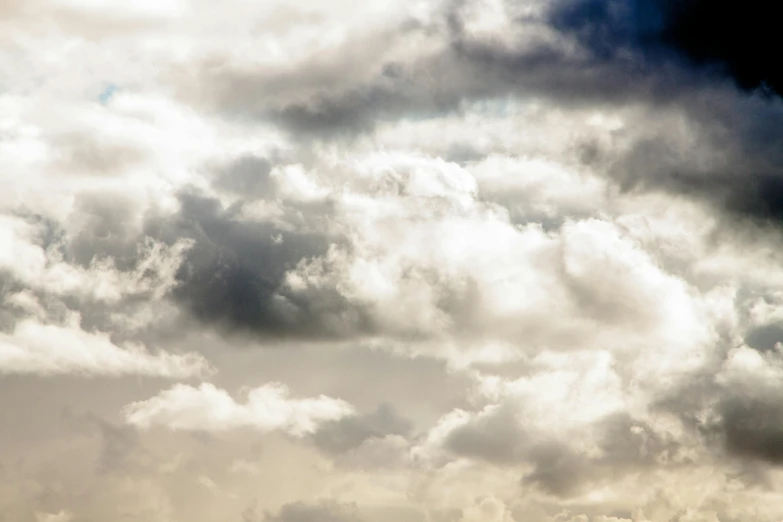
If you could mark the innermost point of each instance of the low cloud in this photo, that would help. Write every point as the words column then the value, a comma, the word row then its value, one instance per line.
column 208, row 408
column 325, row 511
column 50, row 349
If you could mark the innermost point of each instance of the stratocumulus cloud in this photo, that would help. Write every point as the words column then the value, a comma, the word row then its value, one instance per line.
column 415, row 261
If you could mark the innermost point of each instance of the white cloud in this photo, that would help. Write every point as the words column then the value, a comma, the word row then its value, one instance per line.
column 49, row 349
column 540, row 189
column 60, row 516
column 428, row 256
column 565, row 397
column 209, row 408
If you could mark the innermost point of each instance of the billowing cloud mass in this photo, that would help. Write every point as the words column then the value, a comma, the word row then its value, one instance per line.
column 414, row 261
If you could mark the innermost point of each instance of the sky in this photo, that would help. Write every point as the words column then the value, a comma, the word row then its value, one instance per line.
column 411, row 261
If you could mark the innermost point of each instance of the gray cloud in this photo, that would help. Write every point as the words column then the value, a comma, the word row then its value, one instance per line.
column 248, row 177
column 325, row 511
column 232, row 276
column 751, row 427
column 729, row 156
column 104, row 227
column 626, row 446
column 343, row 435
column 496, row 438
column 734, row 162
column 338, row 96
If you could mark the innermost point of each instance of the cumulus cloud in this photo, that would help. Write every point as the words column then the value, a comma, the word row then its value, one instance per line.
column 567, row 444
column 209, row 408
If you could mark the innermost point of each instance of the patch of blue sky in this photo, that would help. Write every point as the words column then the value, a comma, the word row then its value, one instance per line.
column 106, row 94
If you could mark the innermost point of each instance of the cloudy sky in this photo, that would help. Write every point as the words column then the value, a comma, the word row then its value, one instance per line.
column 410, row 261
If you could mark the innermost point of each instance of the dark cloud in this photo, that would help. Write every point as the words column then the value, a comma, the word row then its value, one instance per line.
column 628, row 441
column 673, row 56
column 626, row 445
column 469, row 70
column 609, row 27
column 764, row 338
column 325, row 511
column 729, row 154
column 732, row 157
column 346, row 113
column 496, row 438
column 343, row 435
column 9, row 314
column 249, row 177
column 737, row 39
column 558, row 470
column 752, row 427
column 741, row 420
column 102, row 226
column 740, row 37
column 339, row 97
column 665, row 55
column 233, row 275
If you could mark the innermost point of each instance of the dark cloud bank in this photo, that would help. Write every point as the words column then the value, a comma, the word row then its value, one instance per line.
column 733, row 38
column 681, row 41
column 715, row 63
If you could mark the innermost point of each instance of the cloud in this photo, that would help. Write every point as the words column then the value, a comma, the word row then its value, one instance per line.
column 36, row 259
column 489, row 510
column 745, row 416
column 61, row 516
column 572, row 54
column 350, row 432
column 564, row 447
column 542, row 235
column 208, row 408
column 326, row 511
column 248, row 177
column 50, row 349
column 233, row 274
column 421, row 60
column 461, row 276
column 696, row 29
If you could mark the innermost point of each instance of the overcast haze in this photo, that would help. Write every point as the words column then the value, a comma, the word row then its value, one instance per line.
column 390, row 261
